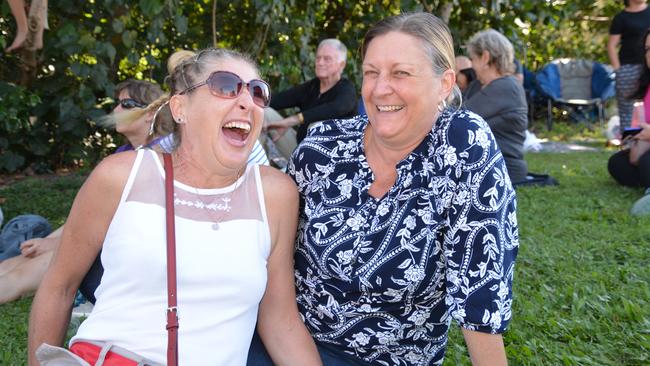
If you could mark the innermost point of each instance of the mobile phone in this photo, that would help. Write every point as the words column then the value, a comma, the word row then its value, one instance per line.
column 630, row 131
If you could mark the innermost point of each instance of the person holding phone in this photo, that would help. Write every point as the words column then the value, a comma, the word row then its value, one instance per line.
column 631, row 166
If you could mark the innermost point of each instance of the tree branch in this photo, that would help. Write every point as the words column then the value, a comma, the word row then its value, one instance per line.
column 214, row 23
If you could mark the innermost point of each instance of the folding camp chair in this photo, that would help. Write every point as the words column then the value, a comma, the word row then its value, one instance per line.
column 578, row 86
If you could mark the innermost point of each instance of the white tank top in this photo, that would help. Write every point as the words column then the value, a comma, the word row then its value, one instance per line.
column 222, row 247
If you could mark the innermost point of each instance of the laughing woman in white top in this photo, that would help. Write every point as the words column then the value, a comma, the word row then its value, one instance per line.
column 235, row 227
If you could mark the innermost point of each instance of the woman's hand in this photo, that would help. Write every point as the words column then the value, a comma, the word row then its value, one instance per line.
column 277, row 129
column 640, row 144
column 645, row 132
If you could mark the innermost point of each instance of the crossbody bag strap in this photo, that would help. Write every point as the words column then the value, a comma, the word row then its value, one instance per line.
column 172, row 309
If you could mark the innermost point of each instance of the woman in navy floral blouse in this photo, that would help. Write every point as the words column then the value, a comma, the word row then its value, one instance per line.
column 408, row 215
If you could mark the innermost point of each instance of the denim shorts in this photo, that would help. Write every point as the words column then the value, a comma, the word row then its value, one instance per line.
column 257, row 355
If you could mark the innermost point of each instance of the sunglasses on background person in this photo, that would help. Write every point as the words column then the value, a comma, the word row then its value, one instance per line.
column 226, row 84
column 128, row 103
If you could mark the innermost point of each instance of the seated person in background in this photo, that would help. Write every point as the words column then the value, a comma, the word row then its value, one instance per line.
column 22, row 275
column 631, row 166
column 132, row 94
column 327, row 96
column 464, row 72
column 499, row 97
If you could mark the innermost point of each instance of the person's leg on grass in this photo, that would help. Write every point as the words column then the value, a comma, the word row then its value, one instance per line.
column 642, row 206
column 622, row 170
column 11, row 263
column 24, row 278
column 644, row 170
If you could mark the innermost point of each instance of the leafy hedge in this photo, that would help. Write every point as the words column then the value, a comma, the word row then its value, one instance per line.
column 91, row 45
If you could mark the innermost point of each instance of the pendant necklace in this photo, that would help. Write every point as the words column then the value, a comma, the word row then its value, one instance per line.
column 220, row 205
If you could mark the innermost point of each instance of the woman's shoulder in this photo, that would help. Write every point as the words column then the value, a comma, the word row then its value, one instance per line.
column 504, row 91
column 465, row 130
column 464, row 120
column 509, row 82
column 346, row 83
column 116, row 164
column 278, row 187
column 331, row 131
column 111, row 174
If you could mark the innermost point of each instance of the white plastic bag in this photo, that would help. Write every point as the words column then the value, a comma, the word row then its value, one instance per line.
column 532, row 143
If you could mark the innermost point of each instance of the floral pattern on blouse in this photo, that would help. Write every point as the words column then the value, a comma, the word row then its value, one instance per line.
column 381, row 279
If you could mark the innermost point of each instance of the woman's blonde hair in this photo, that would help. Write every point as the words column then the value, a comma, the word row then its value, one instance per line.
column 434, row 34
column 144, row 92
column 185, row 68
column 502, row 54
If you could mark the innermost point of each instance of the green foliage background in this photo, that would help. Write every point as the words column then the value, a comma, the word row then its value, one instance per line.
column 91, row 45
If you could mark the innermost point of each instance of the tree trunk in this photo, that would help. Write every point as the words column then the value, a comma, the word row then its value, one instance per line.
column 214, row 23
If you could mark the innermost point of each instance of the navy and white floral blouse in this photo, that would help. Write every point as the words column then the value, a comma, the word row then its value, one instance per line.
column 380, row 279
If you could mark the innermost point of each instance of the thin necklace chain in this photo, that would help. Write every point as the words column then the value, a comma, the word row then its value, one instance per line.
column 223, row 207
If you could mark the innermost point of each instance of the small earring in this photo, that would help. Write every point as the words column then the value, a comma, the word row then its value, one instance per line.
column 179, row 120
column 442, row 105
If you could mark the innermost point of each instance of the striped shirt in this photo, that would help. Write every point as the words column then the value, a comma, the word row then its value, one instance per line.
column 257, row 156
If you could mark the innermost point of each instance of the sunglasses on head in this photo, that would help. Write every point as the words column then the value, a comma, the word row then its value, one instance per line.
column 128, row 103
column 226, row 84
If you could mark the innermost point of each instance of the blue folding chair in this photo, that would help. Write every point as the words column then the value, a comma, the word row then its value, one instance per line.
column 578, row 86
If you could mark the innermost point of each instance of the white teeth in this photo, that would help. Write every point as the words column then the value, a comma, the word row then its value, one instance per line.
column 389, row 108
column 241, row 125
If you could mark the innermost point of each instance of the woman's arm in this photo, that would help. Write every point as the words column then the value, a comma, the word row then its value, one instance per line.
column 612, row 50
column 482, row 241
column 282, row 331
column 81, row 240
column 485, row 349
column 640, row 144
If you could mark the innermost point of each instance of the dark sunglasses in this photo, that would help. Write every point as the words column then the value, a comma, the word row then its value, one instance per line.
column 226, row 84
column 129, row 103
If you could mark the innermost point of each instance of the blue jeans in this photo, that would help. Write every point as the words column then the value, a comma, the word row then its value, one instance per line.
column 257, row 355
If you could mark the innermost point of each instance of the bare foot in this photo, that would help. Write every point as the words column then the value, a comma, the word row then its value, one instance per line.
column 18, row 42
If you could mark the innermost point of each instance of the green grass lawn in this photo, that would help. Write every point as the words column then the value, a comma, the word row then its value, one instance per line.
column 51, row 198
column 581, row 286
